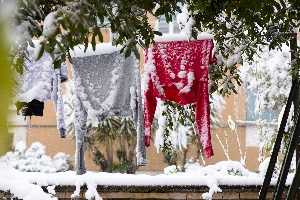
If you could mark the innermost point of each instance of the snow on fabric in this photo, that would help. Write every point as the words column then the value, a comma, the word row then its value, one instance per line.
column 42, row 82
column 106, row 85
column 178, row 71
column 181, row 37
column 104, row 48
column 27, row 185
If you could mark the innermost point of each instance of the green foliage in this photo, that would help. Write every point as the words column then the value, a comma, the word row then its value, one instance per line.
column 176, row 115
column 238, row 26
column 172, row 117
column 76, row 21
column 118, row 136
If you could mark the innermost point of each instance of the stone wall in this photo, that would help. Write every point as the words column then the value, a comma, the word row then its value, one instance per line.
column 160, row 192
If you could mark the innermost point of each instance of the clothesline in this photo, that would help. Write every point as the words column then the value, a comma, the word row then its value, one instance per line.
column 107, row 84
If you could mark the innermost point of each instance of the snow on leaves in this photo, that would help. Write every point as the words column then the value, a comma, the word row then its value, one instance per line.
column 34, row 159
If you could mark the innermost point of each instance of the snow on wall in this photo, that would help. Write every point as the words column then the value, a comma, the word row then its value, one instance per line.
column 27, row 185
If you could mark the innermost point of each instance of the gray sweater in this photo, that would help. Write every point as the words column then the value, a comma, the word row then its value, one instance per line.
column 107, row 85
column 42, row 82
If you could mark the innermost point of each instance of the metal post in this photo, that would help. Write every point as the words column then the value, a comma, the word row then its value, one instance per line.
column 293, row 48
column 287, row 159
column 295, row 184
column 273, row 159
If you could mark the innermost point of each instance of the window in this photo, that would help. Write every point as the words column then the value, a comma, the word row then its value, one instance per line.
column 164, row 27
column 250, row 110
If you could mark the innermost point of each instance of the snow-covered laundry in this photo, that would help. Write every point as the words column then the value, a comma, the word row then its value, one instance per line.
column 41, row 82
column 106, row 84
column 177, row 70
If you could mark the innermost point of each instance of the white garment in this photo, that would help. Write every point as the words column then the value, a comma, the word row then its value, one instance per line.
column 42, row 82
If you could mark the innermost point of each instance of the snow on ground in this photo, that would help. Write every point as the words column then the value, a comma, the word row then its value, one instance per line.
column 27, row 185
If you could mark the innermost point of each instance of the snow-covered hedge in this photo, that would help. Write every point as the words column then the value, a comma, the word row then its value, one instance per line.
column 34, row 159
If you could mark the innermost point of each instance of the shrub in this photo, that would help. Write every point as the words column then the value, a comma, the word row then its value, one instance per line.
column 34, row 159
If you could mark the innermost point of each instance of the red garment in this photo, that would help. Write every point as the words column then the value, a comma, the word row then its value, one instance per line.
column 178, row 71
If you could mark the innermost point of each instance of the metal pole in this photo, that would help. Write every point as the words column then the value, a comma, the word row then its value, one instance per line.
column 295, row 184
column 273, row 159
column 287, row 159
column 293, row 48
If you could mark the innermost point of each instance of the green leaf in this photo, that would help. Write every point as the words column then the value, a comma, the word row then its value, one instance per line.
column 57, row 64
column 157, row 33
column 136, row 53
column 86, row 43
column 40, row 52
column 100, row 37
column 127, row 52
column 142, row 44
column 93, row 43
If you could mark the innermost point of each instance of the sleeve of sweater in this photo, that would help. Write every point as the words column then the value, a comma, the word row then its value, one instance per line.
column 80, row 131
column 203, row 118
column 57, row 98
column 79, row 123
column 138, row 117
column 149, row 110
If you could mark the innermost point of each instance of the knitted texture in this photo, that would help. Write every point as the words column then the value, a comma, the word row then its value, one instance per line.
column 107, row 85
column 178, row 71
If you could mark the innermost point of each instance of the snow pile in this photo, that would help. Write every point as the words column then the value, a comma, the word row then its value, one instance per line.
column 232, row 168
column 213, row 188
column 263, row 167
column 27, row 185
column 34, row 159
column 18, row 184
column 217, row 173
column 170, row 170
